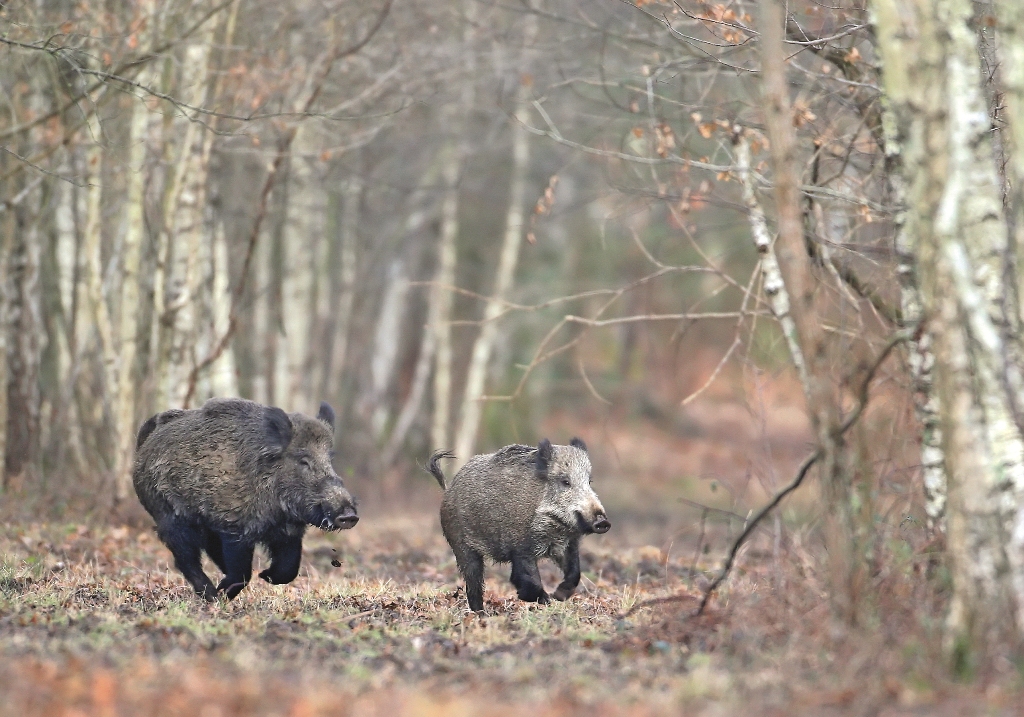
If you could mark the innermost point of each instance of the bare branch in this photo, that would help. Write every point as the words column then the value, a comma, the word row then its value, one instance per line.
column 862, row 396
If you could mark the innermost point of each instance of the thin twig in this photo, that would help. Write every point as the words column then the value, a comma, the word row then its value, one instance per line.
column 136, row 63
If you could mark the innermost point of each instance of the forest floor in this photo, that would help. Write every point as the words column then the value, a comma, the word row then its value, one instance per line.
column 93, row 621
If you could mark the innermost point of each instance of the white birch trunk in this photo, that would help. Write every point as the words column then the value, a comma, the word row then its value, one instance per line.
column 1010, row 15
column 99, row 311
column 921, row 357
column 386, row 341
column 123, row 393
column 472, row 405
column 774, row 287
column 421, row 376
column 453, row 156
column 352, row 196
column 186, row 235
column 296, row 288
column 442, row 301
column 223, row 379
column 933, row 80
column 67, row 242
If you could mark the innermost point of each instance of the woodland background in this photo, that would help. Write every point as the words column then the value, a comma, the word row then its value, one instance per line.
column 729, row 244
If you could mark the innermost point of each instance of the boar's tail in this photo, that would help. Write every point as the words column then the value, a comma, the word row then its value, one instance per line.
column 435, row 470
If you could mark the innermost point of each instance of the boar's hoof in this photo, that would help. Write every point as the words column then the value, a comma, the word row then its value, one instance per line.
column 563, row 594
column 231, row 587
column 209, row 594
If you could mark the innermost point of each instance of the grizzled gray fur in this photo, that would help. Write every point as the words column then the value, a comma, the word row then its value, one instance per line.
column 233, row 474
column 517, row 505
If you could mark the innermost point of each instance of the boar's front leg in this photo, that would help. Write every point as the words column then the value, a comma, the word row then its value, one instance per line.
column 285, row 558
column 526, row 578
column 238, row 561
column 184, row 540
column 570, row 563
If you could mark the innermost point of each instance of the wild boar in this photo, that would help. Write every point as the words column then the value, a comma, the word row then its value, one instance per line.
column 233, row 474
column 517, row 505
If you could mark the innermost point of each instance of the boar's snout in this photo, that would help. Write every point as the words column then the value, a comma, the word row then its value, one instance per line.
column 598, row 524
column 335, row 517
column 346, row 517
column 336, row 509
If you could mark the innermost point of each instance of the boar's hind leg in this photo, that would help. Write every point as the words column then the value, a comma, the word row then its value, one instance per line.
column 570, row 564
column 285, row 558
column 238, row 561
column 184, row 540
column 471, row 565
column 526, row 578
column 215, row 550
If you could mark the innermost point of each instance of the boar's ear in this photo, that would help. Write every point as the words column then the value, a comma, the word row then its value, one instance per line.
column 148, row 427
column 326, row 414
column 578, row 443
column 543, row 458
column 277, row 431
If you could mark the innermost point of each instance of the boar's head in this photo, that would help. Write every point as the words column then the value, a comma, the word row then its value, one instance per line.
column 568, row 497
column 308, row 487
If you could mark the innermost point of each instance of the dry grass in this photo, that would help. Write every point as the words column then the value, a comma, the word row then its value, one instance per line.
column 93, row 621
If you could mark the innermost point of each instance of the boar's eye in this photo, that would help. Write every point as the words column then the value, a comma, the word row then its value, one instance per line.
column 565, row 482
column 305, row 463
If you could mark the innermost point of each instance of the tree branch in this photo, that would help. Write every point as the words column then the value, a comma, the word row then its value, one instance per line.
column 801, row 474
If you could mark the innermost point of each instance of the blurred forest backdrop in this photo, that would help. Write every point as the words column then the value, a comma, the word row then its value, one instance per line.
column 459, row 221
column 398, row 209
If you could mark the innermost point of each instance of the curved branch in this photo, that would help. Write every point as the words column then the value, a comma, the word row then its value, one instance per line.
column 862, row 395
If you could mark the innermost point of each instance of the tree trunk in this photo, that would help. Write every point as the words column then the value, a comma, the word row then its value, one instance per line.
column 933, row 83
column 123, row 394
column 472, row 405
column 454, row 153
column 187, row 232
column 386, row 342
column 8, row 227
column 800, row 283
column 21, row 452
column 274, row 368
column 223, row 374
column 442, row 301
column 96, row 298
column 348, row 242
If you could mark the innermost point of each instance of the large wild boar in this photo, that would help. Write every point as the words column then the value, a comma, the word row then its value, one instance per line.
column 517, row 505
column 233, row 474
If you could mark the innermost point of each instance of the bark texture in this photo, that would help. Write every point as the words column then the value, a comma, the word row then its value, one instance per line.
column 934, row 84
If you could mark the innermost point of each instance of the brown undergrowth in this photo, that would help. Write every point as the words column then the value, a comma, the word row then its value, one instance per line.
column 93, row 621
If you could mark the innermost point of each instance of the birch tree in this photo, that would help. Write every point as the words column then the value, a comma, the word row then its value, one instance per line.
column 508, row 258
column 185, row 227
column 933, row 80
column 454, row 151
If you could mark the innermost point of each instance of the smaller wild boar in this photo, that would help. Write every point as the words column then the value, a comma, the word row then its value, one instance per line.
column 517, row 505
column 233, row 474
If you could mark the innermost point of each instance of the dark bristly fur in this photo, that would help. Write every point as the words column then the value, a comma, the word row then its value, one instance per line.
column 233, row 474
column 517, row 505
